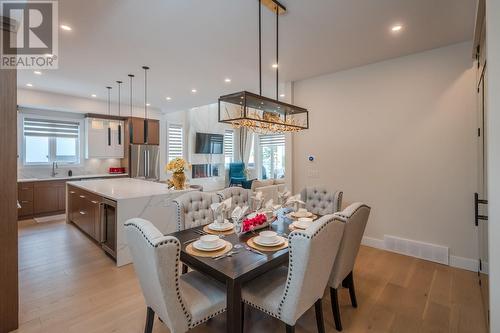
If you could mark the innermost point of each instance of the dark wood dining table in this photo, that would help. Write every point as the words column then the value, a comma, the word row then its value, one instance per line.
column 234, row 271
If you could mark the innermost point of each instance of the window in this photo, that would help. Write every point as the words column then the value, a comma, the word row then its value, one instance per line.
column 228, row 146
column 272, row 156
column 175, row 142
column 47, row 141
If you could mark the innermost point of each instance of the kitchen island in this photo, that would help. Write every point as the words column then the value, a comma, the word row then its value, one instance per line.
column 100, row 209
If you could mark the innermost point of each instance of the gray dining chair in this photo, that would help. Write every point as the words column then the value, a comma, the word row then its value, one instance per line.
column 241, row 197
column 286, row 293
column 182, row 302
column 193, row 209
column 321, row 201
column 355, row 218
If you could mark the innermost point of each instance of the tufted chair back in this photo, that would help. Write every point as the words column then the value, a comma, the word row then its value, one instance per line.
column 321, row 201
column 241, row 197
column 355, row 218
column 311, row 252
column 193, row 209
column 156, row 262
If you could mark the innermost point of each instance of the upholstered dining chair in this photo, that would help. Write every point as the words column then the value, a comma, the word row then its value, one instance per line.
column 193, row 209
column 321, row 201
column 355, row 218
column 286, row 293
column 241, row 197
column 180, row 301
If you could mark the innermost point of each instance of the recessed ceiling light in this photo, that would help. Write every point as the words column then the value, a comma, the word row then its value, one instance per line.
column 227, row 80
column 29, row 85
column 275, row 65
column 194, row 91
column 282, row 95
column 94, row 95
column 66, row 27
column 147, row 104
column 168, row 98
column 37, row 73
column 396, row 28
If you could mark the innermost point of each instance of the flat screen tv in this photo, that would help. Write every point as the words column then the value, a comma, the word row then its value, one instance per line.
column 209, row 143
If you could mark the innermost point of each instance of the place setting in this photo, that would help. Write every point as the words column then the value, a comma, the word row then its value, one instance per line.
column 209, row 246
column 268, row 241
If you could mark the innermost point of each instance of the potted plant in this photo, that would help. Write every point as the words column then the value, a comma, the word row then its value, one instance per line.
column 177, row 166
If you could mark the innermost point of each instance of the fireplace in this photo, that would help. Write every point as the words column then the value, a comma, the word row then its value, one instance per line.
column 205, row 170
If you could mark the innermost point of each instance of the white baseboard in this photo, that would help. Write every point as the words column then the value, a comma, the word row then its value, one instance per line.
column 454, row 261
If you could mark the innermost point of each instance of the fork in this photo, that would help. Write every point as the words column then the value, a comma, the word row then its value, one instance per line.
column 229, row 254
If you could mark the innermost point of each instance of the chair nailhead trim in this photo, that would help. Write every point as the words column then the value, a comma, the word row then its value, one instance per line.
column 262, row 309
column 354, row 212
column 178, row 253
column 201, row 321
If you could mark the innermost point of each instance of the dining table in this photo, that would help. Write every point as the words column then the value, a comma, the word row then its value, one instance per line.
column 237, row 269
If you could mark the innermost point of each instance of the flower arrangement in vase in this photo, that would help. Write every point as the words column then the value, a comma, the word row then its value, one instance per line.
column 177, row 166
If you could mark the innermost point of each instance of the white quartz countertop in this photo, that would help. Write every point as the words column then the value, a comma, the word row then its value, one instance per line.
column 100, row 175
column 124, row 188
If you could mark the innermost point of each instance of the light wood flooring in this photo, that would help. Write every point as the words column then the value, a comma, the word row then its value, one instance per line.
column 67, row 284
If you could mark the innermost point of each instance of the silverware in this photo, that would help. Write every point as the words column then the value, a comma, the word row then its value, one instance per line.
column 254, row 250
column 229, row 254
column 200, row 232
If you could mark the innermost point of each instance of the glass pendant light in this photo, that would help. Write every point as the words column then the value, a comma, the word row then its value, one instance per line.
column 109, row 114
column 119, row 112
column 145, row 68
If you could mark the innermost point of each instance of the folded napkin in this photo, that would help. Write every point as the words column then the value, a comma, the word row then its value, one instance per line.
column 238, row 213
column 269, row 205
column 293, row 200
column 257, row 199
column 283, row 196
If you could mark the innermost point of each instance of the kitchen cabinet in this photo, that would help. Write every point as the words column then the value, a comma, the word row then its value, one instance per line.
column 49, row 197
column 84, row 211
column 104, row 138
column 25, row 198
column 137, row 131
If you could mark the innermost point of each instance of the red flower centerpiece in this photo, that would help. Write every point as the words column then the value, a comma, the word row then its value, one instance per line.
column 257, row 222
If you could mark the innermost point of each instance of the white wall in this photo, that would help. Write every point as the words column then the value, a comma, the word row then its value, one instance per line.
column 399, row 135
column 493, row 132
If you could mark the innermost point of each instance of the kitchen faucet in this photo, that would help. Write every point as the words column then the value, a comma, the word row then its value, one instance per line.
column 54, row 167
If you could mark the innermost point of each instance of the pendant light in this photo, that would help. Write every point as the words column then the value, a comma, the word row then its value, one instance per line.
column 119, row 112
column 109, row 114
column 146, row 68
column 131, row 76
column 259, row 113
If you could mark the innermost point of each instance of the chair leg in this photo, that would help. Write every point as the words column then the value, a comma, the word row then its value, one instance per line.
column 150, row 317
column 184, row 269
column 336, row 308
column 319, row 316
column 242, row 316
column 290, row 329
column 352, row 292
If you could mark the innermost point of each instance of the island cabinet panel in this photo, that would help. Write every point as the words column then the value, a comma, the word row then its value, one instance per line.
column 25, row 198
column 49, row 197
column 84, row 211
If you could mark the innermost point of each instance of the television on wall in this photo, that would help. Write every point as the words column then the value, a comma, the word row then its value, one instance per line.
column 209, row 143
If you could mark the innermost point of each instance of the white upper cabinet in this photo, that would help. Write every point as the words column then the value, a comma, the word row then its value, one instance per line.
column 104, row 138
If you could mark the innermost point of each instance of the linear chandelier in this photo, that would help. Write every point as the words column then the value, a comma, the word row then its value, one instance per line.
column 258, row 113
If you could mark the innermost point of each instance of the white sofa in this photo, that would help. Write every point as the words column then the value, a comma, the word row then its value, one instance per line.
column 270, row 188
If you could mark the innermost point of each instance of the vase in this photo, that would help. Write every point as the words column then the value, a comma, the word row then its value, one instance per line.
column 179, row 178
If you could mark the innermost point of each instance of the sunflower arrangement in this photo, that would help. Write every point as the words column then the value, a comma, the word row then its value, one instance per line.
column 177, row 165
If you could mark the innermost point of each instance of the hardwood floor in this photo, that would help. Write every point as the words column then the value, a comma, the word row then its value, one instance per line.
column 67, row 284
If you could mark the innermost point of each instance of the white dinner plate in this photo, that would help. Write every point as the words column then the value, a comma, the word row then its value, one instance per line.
column 199, row 246
column 298, row 225
column 221, row 227
column 298, row 215
column 279, row 241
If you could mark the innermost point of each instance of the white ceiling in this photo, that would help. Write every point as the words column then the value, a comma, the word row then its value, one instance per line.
column 198, row 43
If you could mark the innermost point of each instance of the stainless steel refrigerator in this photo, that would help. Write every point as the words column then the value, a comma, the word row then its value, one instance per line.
column 145, row 162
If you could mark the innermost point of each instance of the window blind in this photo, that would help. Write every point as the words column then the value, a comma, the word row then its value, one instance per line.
column 229, row 144
column 272, row 140
column 50, row 128
column 175, row 142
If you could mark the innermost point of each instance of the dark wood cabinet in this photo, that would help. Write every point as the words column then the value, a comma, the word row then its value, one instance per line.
column 136, row 128
column 49, row 197
column 25, row 198
column 84, row 211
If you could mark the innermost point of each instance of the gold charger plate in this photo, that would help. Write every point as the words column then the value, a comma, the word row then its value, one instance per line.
column 213, row 232
column 252, row 244
column 208, row 254
column 290, row 216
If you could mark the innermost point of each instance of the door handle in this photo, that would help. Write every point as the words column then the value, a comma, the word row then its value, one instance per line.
column 478, row 202
column 71, row 192
column 95, row 202
column 82, row 212
column 82, row 196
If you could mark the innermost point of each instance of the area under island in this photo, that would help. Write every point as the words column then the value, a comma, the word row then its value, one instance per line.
column 100, row 209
